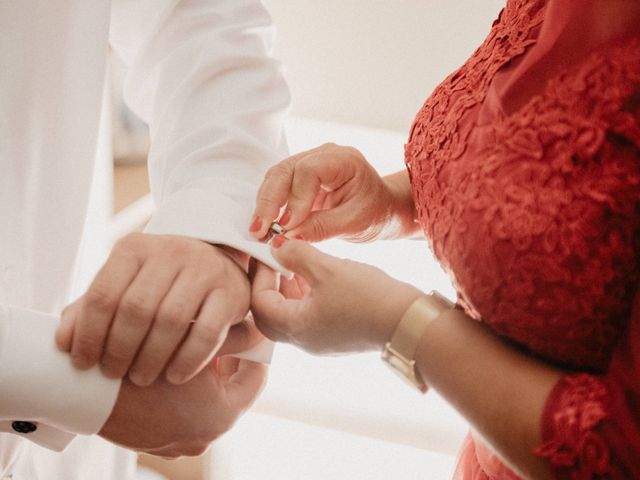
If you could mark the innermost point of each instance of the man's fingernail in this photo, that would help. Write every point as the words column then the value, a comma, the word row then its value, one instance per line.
column 139, row 379
column 176, row 378
column 286, row 218
column 80, row 361
column 278, row 241
column 256, row 224
column 110, row 372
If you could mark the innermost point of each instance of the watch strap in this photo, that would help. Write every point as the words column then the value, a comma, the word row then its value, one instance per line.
column 399, row 353
column 420, row 313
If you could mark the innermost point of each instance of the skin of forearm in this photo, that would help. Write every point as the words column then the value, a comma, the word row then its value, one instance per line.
column 500, row 391
column 402, row 222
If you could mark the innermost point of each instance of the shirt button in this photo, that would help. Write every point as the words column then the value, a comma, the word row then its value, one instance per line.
column 24, row 427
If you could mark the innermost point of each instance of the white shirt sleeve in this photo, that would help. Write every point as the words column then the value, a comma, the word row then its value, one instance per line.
column 201, row 76
column 36, row 395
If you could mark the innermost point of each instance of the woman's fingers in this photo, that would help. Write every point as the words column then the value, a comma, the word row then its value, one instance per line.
column 324, row 224
column 276, row 315
column 298, row 181
column 269, row 308
column 293, row 288
column 305, row 187
column 272, row 195
column 314, row 175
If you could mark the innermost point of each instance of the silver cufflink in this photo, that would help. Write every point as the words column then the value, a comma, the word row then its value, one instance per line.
column 274, row 230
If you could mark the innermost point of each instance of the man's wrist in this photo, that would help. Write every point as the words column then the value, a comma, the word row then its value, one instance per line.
column 239, row 257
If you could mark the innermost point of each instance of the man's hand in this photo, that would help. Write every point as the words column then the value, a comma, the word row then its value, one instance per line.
column 176, row 420
column 158, row 302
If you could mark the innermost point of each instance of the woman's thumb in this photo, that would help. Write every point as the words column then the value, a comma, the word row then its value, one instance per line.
column 320, row 225
column 300, row 257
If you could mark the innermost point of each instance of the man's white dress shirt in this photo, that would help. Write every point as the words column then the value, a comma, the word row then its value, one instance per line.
column 199, row 74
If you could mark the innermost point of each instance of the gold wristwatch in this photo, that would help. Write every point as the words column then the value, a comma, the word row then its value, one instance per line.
column 399, row 353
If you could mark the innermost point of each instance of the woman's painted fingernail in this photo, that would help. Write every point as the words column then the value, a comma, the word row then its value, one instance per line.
column 299, row 237
column 256, row 224
column 278, row 241
column 286, row 218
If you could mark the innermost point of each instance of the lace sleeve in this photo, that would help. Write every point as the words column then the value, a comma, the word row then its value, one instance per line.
column 591, row 424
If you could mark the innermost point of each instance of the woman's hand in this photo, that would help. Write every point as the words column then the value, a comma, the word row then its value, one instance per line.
column 331, row 191
column 331, row 305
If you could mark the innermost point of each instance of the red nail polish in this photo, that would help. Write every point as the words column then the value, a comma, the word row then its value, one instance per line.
column 278, row 241
column 285, row 218
column 255, row 225
column 299, row 237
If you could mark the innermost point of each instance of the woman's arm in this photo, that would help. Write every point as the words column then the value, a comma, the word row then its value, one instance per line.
column 541, row 422
column 500, row 391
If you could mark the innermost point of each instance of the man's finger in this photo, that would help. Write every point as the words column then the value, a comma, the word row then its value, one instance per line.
column 172, row 320
column 99, row 306
column 218, row 313
column 135, row 314
column 244, row 386
column 64, row 332
column 241, row 337
column 227, row 366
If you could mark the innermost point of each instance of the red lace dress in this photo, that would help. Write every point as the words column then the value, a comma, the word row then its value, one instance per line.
column 525, row 169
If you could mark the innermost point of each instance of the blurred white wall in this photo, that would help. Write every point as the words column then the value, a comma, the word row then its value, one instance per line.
column 374, row 62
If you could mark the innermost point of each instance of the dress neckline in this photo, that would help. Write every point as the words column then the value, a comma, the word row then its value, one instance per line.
column 559, row 43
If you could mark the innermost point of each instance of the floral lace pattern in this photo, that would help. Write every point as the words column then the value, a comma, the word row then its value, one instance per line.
column 536, row 214
column 577, row 450
column 533, row 208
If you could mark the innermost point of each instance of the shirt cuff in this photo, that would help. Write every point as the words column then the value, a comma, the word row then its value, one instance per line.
column 200, row 211
column 40, row 385
column 44, row 435
column 261, row 353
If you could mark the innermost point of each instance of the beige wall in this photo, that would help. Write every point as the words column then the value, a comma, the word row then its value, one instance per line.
column 373, row 62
